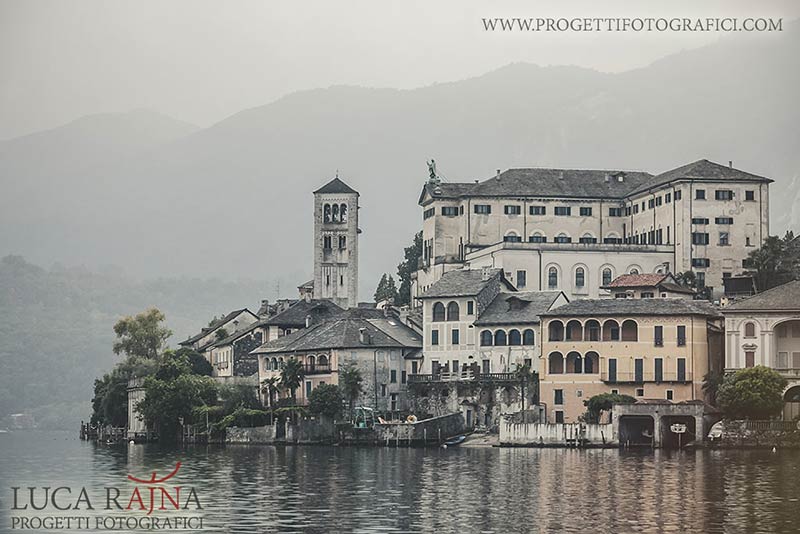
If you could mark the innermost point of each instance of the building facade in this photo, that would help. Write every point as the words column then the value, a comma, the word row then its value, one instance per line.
column 336, row 244
column 576, row 230
column 645, row 348
column 765, row 330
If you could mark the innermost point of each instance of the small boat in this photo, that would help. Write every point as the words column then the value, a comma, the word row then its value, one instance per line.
column 452, row 442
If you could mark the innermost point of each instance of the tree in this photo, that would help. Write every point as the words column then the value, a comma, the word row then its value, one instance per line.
column 409, row 265
column 689, row 279
column 386, row 291
column 110, row 401
column 197, row 362
column 603, row 402
column 711, row 382
column 269, row 387
column 221, row 333
column 292, row 376
column 236, row 396
column 350, row 382
column 325, row 399
column 167, row 402
column 752, row 393
column 524, row 375
column 141, row 335
column 775, row 262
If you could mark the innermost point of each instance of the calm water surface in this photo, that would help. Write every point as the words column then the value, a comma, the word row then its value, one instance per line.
column 340, row 489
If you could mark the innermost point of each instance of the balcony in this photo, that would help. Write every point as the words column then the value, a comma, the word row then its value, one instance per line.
column 467, row 376
column 316, row 369
column 641, row 378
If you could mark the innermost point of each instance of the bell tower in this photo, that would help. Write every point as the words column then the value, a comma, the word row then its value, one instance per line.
column 336, row 243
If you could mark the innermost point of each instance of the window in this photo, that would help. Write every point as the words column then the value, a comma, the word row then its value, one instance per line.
column 537, row 210
column 699, row 238
column 483, row 209
column 701, row 279
column 438, row 312
column 528, row 337
column 486, row 338
column 414, row 367
column 639, row 392
column 606, row 276
column 537, row 238
column 723, row 194
column 450, row 211
column 670, row 394
column 635, row 208
column 552, row 278
column 453, row 311
column 659, row 336
column 658, row 369
column 342, row 242
column 615, row 212
column 638, row 370
column 700, row 262
column 658, row 201
column 681, row 369
column 559, row 416
column 511, row 238
column 580, row 277
column 749, row 359
column 700, row 194
column 749, row 195
column 612, row 370
column 514, row 337
column 512, row 210
column 681, row 335
column 434, row 337
column 724, row 220
column 470, row 307
column 393, row 376
column 403, row 377
column 750, row 330
column 587, row 239
column 699, row 220
column 341, row 279
column 428, row 213
column 522, row 279
column 747, row 242
column 647, row 294
column 586, row 212
column 651, row 203
column 558, row 396
column 677, row 195
column 724, row 239
column 455, row 336
column 500, row 339
column 383, row 390
column 563, row 238
column 563, row 210
column 667, row 198
column 326, row 242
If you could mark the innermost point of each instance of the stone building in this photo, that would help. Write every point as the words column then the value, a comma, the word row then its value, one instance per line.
column 765, row 330
column 645, row 348
column 374, row 341
column 576, row 230
column 335, row 244
column 646, row 286
column 209, row 335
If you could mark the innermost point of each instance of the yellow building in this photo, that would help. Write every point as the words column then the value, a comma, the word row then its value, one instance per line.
column 645, row 348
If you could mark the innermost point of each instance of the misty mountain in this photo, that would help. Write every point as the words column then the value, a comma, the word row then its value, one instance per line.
column 56, row 328
column 235, row 199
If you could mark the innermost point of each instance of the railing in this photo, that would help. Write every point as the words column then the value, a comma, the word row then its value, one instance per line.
column 316, row 369
column 640, row 378
column 779, row 426
column 463, row 376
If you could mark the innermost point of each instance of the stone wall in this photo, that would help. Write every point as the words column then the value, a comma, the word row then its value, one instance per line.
column 434, row 430
column 257, row 434
column 311, row 431
column 555, row 435
column 758, row 434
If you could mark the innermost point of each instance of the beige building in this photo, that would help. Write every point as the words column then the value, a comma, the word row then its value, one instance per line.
column 646, row 286
column 576, row 230
column 645, row 348
column 765, row 330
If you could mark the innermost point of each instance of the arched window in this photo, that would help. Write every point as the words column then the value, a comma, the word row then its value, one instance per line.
column 335, row 213
column 343, row 212
column 555, row 363
column 611, row 330
column 591, row 363
column 552, row 278
column 606, row 276
column 512, row 237
column 438, row 312
column 574, row 363
column 563, row 238
column 528, row 337
column 591, row 330
column 311, row 361
column 580, row 277
column 322, row 360
column 274, row 364
column 537, row 237
column 500, row 338
column 486, row 338
column 634, row 270
column 630, row 331
column 514, row 337
column 326, row 213
column 452, row 311
column 749, row 330
column 574, row 331
column 556, row 331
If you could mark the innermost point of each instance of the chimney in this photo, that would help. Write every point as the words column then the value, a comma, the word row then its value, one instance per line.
column 608, row 178
column 308, row 321
column 498, row 174
column 363, row 336
column 307, row 297
column 485, row 273
column 730, row 163
column 560, row 175
column 621, row 177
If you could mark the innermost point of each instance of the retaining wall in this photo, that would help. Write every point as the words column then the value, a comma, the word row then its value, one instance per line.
column 553, row 435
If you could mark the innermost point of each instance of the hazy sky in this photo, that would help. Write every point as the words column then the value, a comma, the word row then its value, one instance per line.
column 201, row 61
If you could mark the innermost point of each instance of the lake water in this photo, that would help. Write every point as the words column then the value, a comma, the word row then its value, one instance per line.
column 342, row 489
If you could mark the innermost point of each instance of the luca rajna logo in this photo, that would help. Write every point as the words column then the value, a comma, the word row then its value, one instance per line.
column 150, row 504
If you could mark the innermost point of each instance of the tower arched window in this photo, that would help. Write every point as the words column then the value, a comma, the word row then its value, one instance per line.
column 452, row 311
column 335, row 213
column 343, row 212
column 606, row 276
column 326, row 213
column 552, row 278
column 438, row 312
column 580, row 277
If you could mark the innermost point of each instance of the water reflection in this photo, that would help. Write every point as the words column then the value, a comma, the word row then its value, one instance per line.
column 333, row 489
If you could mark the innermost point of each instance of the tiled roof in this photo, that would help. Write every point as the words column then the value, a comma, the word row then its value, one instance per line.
column 336, row 186
column 515, row 308
column 236, row 335
column 464, row 283
column 637, row 280
column 603, row 307
column 785, row 297
column 344, row 332
column 702, row 170
column 213, row 326
column 295, row 315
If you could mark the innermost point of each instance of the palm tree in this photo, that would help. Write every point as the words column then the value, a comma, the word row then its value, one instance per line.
column 292, row 376
column 269, row 387
column 524, row 374
column 350, row 380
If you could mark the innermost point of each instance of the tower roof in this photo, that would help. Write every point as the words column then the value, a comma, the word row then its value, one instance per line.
column 336, row 186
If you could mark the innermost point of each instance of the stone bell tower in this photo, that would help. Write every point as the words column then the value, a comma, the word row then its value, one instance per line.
column 336, row 243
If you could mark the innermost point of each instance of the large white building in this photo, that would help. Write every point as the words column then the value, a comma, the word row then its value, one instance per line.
column 577, row 230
